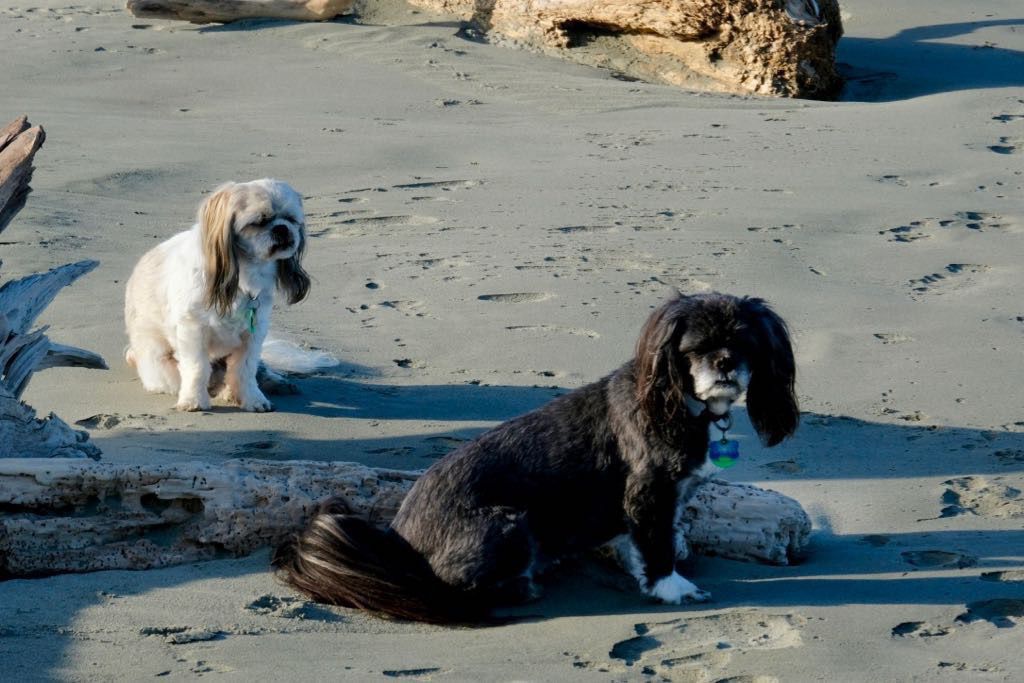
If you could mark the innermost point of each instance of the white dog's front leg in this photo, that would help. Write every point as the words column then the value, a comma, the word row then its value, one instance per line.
column 240, row 379
column 193, row 366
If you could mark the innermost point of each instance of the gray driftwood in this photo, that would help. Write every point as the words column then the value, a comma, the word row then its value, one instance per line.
column 225, row 11
column 70, row 515
column 24, row 350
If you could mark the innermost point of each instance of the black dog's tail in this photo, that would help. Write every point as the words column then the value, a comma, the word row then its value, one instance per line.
column 341, row 559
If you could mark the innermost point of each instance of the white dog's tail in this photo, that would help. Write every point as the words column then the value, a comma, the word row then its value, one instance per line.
column 286, row 356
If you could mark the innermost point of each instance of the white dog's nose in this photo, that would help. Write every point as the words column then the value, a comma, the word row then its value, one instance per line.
column 282, row 235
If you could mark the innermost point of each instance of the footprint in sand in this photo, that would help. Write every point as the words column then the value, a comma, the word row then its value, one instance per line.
column 1006, row 145
column 783, row 466
column 893, row 337
column 411, row 673
column 925, row 228
column 585, row 229
column 979, row 496
column 555, row 329
column 444, row 185
column 698, row 648
column 517, row 297
column 919, row 629
column 103, row 421
column 1010, row 576
column 407, row 307
column 182, row 635
column 936, row 559
column 287, row 607
column 1000, row 612
column 955, row 275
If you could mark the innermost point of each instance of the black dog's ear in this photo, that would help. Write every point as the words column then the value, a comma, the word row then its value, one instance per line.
column 660, row 381
column 771, row 396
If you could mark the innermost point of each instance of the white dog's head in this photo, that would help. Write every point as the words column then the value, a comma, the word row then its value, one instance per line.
column 254, row 222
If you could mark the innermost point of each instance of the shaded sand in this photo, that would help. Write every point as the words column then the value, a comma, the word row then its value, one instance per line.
column 489, row 228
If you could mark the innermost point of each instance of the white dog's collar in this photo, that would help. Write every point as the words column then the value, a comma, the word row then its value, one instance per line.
column 246, row 313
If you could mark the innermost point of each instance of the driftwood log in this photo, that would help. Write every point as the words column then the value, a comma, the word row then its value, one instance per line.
column 767, row 47
column 71, row 515
column 23, row 350
column 19, row 142
column 226, row 11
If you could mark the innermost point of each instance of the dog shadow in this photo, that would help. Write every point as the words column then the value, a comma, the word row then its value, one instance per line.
column 911, row 64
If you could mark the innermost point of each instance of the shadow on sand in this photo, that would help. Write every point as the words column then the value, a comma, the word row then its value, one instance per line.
column 943, row 567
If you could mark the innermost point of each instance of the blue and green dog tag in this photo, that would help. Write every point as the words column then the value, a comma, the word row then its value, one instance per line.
column 724, row 453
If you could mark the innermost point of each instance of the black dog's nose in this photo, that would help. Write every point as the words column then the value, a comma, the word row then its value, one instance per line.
column 724, row 362
column 281, row 234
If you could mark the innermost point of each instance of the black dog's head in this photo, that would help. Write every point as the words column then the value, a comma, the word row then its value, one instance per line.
column 709, row 349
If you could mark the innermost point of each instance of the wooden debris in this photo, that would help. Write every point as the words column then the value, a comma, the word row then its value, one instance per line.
column 225, row 11
column 70, row 515
column 767, row 47
column 23, row 351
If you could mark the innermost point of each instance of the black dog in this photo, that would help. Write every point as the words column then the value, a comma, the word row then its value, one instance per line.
column 611, row 459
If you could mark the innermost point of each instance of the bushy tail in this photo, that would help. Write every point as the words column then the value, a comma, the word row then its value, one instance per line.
column 285, row 356
column 341, row 559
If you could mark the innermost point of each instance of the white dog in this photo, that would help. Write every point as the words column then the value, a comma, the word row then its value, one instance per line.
column 204, row 296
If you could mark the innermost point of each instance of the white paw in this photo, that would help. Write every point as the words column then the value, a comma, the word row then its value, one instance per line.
column 674, row 589
column 256, row 403
column 191, row 404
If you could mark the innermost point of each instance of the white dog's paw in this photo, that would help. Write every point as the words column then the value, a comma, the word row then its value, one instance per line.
column 257, row 403
column 674, row 589
column 191, row 404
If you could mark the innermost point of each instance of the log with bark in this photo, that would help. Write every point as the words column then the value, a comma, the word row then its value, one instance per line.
column 226, row 11
column 767, row 47
column 23, row 350
column 69, row 515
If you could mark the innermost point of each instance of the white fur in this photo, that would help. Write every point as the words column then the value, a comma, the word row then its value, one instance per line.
column 286, row 356
column 673, row 589
column 174, row 335
column 629, row 558
column 716, row 389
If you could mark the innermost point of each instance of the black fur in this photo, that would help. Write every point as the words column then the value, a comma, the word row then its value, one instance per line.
column 568, row 477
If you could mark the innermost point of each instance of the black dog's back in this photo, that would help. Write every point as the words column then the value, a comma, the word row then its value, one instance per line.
column 535, row 487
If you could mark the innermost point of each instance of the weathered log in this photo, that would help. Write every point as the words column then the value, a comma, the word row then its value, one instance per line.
column 70, row 515
column 61, row 355
column 23, row 435
column 21, row 301
column 22, row 350
column 74, row 516
column 225, row 11
column 19, row 142
column 768, row 47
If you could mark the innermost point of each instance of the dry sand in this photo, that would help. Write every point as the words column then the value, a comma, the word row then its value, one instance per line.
column 490, row 227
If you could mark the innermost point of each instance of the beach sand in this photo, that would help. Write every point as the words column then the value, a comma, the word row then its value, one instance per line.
column 489, row 228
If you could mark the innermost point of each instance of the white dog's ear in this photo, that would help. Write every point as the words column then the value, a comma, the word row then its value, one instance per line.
column 216, row 218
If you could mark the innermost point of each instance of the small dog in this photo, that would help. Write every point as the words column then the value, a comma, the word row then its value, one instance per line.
column 611, row 461
column 203, row 297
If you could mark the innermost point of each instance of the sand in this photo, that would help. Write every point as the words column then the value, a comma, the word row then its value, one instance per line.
column 489, row 228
